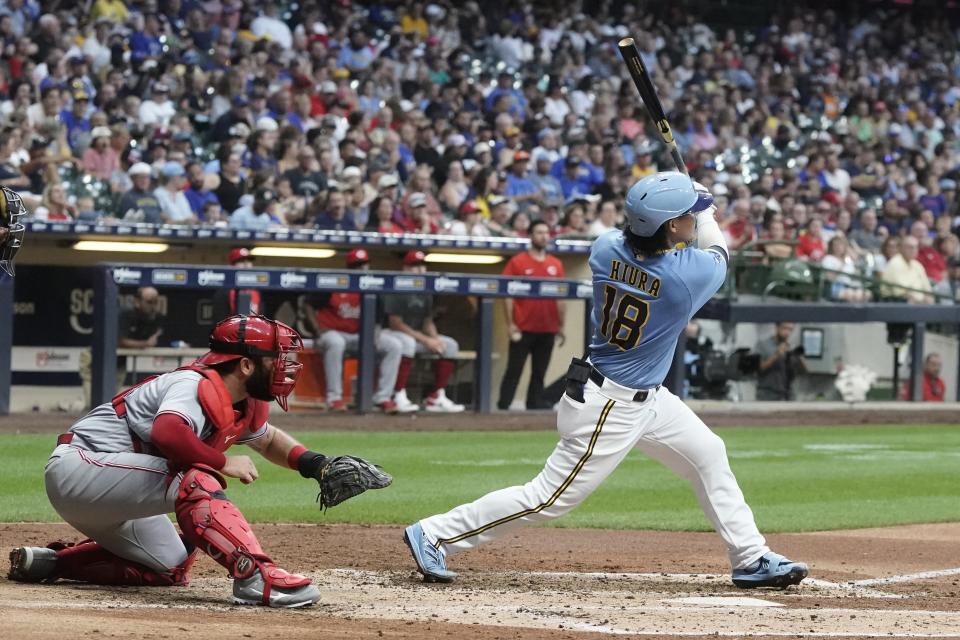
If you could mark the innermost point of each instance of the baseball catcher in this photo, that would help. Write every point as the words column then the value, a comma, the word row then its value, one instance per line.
column 160, row 447
column 12, row 213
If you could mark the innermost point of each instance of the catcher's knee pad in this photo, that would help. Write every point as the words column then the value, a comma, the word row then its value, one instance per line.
column 214, row 524
column 89, row 562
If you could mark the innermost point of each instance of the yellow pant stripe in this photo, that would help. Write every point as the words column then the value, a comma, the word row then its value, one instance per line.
column 556, row 494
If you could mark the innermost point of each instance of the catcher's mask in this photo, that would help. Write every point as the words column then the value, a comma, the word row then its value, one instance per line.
column 257, row 336
column 12, row 213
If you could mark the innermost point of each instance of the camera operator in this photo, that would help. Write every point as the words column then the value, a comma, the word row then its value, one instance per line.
column 779, row 364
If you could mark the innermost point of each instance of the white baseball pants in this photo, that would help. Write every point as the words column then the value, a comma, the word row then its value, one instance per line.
column 595, row 436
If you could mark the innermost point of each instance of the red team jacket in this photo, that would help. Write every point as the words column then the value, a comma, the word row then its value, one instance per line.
column 342, row 313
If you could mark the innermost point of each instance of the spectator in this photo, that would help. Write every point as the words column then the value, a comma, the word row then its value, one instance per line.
column 949, row 287
column 737, row 226
column 454, row 191
column 501, row 209
column 533, row 323
column 336, row 322
column 416, row 218
column 811, row 246
column 607, row 219
column 889, row 249
column 574, row 223
column 197, row 193
column 174, row 206
column 139, row 204
column 519, row 186
column 410, row 320
column 548, row 186
column 259, row 215
column 306, row 178
column 381, row 216
column 77, row 119
column 335, row 215
column 232, row 183
column 841, row 273
column 934, row 263
column 54, row 206
column 776, row 246
column 159, row 109
column 865, row 237
column 470, row 222
column 779, row 364
column 905, row 276
column 932, row 384
column 100, row 159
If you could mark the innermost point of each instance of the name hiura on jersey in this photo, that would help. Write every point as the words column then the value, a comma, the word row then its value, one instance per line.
column 641, row 306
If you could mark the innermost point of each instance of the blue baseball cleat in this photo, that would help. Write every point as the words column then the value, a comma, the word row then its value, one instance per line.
column 430, row 560
column 771, row 570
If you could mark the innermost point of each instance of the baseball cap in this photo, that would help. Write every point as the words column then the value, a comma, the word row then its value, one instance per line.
column 172, row 169
column 948, row 184
column 80, row 95
column 352, row 172
column 266, row 123
column 496, row 201
column 481, row 147
column 181, row 136
column 417, row 200
column 100, row 132
column 456, row 140
column 469, row 207
column 160, row 87
column 139, row 169
column 521, row 156
column 511, row 131
column 239, row 253
column 328, row 86
column 239, row 130
column 386, row 181
column 357, row 256
column 414, row 256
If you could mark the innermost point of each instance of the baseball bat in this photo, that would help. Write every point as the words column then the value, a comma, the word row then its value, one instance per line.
column 641, row 78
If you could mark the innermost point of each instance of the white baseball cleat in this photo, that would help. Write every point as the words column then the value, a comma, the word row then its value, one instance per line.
column 403, row 402
column 440, row 403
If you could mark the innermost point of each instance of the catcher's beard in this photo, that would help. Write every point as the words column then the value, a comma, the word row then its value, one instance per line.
column 259, row 384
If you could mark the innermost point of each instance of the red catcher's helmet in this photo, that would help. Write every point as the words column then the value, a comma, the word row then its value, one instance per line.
column 257, row 336
column 238, row 254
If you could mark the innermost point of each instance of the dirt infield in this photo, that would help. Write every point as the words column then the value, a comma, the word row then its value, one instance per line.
column 538, row 583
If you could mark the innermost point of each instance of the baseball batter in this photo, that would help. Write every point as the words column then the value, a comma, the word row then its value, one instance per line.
column 645, row 290
column 160, row 447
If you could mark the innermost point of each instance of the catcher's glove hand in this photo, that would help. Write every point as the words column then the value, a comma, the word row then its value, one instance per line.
column 344, row 477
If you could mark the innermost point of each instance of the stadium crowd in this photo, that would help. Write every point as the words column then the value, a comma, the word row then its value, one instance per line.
column 834, row 132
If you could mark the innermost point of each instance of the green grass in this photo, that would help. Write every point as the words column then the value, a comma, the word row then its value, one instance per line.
column 796, row 479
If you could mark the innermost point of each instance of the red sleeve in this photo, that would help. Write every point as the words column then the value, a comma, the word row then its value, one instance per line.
column 180, row 445
column 560, row 271
column 510, row 269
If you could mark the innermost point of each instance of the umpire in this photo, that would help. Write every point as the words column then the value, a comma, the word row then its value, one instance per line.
column 534, row 322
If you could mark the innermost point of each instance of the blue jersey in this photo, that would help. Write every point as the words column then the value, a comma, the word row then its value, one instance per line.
column 641, row 306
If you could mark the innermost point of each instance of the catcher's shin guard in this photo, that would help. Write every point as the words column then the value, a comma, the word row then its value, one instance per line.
column 88, row 562
column 215, row 525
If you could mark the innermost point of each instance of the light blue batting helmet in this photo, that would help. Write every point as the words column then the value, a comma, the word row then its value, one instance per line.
column 657, row 198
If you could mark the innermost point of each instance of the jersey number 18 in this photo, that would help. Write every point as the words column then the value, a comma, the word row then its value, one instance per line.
column 626, row 327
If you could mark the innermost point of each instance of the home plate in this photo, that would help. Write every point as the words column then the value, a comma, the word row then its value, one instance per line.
column 719, row 601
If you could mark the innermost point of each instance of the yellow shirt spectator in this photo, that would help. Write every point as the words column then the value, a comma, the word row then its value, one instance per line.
column 418, row 25
column 113, row 10
column 904, row 270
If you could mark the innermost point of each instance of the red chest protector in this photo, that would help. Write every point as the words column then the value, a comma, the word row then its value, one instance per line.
column 228, row 423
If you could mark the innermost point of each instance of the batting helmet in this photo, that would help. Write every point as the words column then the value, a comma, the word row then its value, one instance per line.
column 256, row 336
column 660, row 197
column 12, row 213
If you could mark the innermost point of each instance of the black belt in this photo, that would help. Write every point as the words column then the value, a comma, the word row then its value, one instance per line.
column 597, row 378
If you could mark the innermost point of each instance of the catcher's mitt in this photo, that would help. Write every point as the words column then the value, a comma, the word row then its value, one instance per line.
column 344, row 477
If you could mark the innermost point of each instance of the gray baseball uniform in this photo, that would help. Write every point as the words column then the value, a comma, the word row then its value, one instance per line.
column 114, row 486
